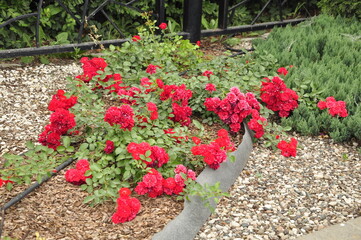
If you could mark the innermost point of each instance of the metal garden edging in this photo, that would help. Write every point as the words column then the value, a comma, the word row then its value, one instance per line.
column 188, row 223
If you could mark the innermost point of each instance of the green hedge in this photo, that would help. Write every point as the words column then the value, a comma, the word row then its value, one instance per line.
column 326, row 54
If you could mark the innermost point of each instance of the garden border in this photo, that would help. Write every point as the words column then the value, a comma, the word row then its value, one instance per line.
column 188, row 223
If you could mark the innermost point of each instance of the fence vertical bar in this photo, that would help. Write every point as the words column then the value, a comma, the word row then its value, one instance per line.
column 37, row 37
column 83, row 20
column 192, row 17
column 280, row 9
column 223, row 14
column 160, row 10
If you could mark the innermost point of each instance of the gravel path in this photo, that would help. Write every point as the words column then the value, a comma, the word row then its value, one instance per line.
column 282, row 198
column 274, row 197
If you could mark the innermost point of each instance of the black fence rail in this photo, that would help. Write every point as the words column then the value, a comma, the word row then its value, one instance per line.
column 193, row 15
column 192, row 27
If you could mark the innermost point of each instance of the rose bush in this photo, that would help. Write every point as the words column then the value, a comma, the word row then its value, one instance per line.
column 129, row 120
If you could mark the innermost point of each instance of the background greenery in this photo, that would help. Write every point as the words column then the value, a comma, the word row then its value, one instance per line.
column 58, row 27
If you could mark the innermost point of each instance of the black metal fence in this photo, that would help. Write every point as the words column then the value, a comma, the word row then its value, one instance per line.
column 192, row 15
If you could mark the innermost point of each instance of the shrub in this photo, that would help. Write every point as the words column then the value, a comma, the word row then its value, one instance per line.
column 325, row 53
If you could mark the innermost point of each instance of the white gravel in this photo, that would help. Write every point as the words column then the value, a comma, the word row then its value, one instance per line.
column 274, row 198
column 283, row 198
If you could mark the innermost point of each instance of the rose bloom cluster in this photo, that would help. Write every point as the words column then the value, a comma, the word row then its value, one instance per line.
column 216, row 152
column 109, row 147
column 128, row 94
column 151, row 69
column 234, row 108
column 210, row 87
column 153, row 109
column 207, row 73
column 334, row 107
column 61, row 120
column 76, row 175
column 179, row 96
column 157, row 158
column 278, row 97
column 282, row 71
column 127, row 207
column 91, row 68
column 153, row 184
column 257, row 123
column 60, row 101
column 288, row 149
column 122, row 116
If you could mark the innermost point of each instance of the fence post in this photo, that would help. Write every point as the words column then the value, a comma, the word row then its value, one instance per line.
column 192, row 17
column 160, row 11
column 223, row 14
column 37, row 33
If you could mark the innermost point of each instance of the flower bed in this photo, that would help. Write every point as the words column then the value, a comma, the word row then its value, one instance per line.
column 129, row 125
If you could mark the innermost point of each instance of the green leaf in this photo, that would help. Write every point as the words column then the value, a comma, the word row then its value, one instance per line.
column 118, row 150
column 91, row 147
column 70, row 149
column 95, row 167
column 27, row 179
column 126, row 175
column 9, row 186
column 44, row 60
column 197, row 124
column 288, row 128
column 27, row 60
column 83, row 146
column 30, row 145
column 39, row 179
column 148, row 153
column 66, row 141
column 60, row 149
column 89, row 181
column 89, row 199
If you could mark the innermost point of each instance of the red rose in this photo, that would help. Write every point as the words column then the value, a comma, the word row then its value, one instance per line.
column 196, row 140
column 109, row 147
column 163, row 26
column 151, row 69
column 207, row 74
column 136, row 38
column 210, row 87
column 124, row 192
column 288, row 149
column 282, row 71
